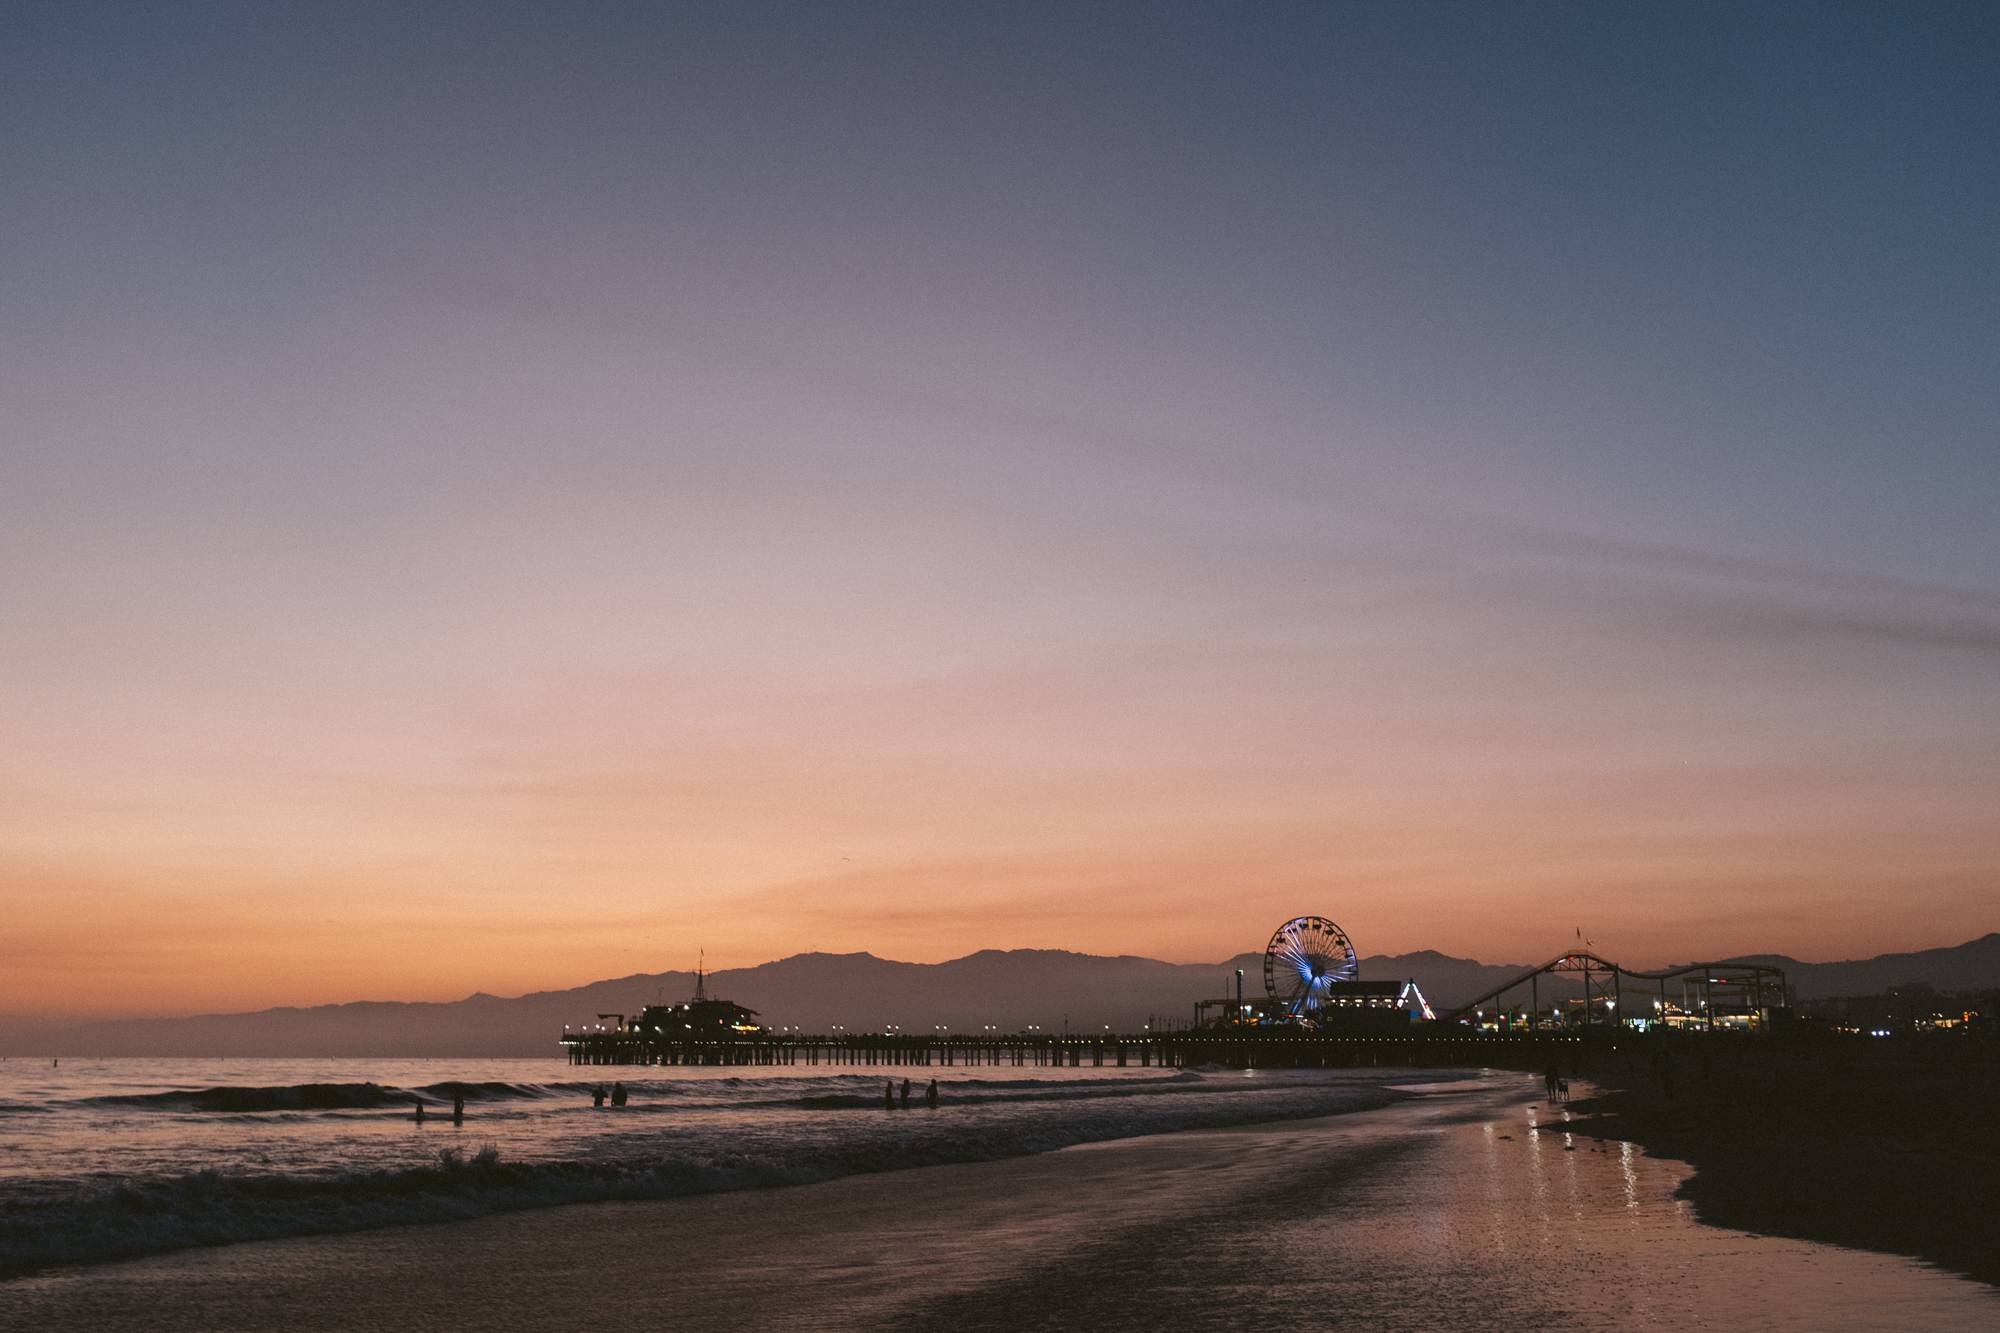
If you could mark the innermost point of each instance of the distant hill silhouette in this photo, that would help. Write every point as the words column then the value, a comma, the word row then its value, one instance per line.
column 1974, row 965
column 1009, row 989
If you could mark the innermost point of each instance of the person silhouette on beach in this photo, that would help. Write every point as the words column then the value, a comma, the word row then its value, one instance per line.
column 597, row 1095
column 930, row 1095
column 906, row 1094
column 617, row 1094
column 458, row 1108
column 1549, row 1081
column 420, row 1109
column 888, row 1096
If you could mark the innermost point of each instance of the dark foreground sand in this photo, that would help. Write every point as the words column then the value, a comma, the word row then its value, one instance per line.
column 1460, row 1210
column 1883, row 1145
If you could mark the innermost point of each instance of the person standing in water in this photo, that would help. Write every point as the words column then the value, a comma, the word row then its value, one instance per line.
column 597, row 1095
column 888, row 1096
column 617, row 1094
column 420, row 1109
column 458, row 1108
column 930, row 1096
column 906, row 1094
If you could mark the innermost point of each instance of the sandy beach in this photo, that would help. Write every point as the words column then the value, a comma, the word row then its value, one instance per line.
column 1880, row 1145
column 1464, row 1208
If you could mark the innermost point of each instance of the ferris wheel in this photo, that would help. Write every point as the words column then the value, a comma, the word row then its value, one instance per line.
column 1306, row 956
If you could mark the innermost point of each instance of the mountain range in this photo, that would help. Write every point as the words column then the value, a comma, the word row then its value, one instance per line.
column 1008, row 990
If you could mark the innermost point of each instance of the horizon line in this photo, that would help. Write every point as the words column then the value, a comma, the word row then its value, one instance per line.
column 82, row 1020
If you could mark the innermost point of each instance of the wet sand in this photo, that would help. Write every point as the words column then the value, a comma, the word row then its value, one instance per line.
column 1458, row 1210
column 1884, row 1145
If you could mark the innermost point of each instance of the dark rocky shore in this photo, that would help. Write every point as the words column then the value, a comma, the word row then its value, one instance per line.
column 1881, row 1144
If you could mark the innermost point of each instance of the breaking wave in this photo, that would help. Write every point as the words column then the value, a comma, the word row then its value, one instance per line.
column 294, row 1097
column 738, row 1134
column 330, row 1096
column 665, row 1094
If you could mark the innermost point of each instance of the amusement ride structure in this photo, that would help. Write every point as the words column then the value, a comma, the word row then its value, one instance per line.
column 1709, row 996
column 1312, row 983
column 1305, row 960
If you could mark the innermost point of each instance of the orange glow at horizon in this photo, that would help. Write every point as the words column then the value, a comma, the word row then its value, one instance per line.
column 1172, row 801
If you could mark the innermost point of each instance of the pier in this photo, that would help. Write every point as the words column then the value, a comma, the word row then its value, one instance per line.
column 1238, row 1048
column 1315, row 1013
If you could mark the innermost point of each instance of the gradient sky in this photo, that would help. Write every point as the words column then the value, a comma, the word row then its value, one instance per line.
column 492, row 498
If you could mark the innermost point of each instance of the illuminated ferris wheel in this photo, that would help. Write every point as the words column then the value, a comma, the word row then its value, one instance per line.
column 1306, row 956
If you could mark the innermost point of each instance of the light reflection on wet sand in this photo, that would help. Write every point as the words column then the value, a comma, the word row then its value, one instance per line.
column 1466, row 1208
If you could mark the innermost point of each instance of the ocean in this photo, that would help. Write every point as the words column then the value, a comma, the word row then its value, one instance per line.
column 103, row 1159
column 253, row 1195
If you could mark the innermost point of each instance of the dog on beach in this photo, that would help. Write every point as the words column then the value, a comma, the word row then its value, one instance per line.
column 1562, row 1089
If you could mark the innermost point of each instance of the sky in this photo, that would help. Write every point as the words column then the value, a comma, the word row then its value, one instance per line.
column 494, row 497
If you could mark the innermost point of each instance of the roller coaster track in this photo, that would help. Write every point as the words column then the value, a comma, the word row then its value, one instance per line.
column 1758, row 977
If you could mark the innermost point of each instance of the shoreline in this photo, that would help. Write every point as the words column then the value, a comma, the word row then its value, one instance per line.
column 873, row 1237
column 1454, row 1210
column 686, row 1153
column 1878, row 1149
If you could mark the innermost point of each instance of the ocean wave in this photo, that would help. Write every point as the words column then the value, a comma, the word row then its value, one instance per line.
column 964, row 1095
column 230, row 1099
column 213, row 1207
column 495, row 1091
column 235, row 1100
column 857, row 1091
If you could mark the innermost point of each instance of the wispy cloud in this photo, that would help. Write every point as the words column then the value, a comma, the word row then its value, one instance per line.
column 1763, row 597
